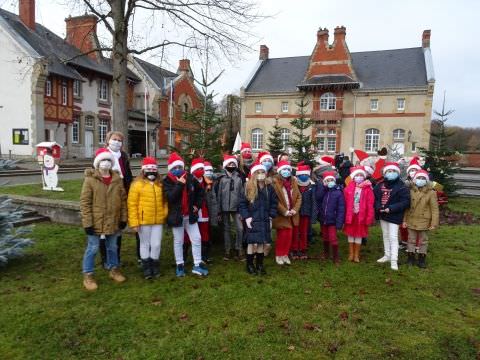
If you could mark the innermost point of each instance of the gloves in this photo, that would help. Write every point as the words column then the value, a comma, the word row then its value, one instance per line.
column 89, row 230
column 248, row 221
column 122, row 225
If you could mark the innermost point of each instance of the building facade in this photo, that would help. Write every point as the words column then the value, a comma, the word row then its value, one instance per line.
column 361, row 100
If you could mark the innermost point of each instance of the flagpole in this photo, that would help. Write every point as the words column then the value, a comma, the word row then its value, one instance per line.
column 170, row 114
column 146, row 123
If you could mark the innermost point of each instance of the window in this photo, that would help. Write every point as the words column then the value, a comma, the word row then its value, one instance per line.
column 89, row 121
column 20, row 136
column 331, row 144
column 372, row 139
column 398, row 135
column 64, row 93
column 258, row 107
column 321, row 143
column 373, row 104
column 321, row 132
column 257, row 139
column 285, row 136
column 48, row 87
column 103, row 90
column 77, row 88
column 285, row 106
column 102, row 130
column 400, row 104
column 414, row 146
column 332, row 132
column 185, row 107
column 47, row 135
column 328, row 101
column 75, row 130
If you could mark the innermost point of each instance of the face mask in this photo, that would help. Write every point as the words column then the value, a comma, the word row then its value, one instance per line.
column 285, row 173
column 199, row 173
column 359, row 179
column 420, row 182
column 105, row 165
column 177, row 172
column 412, row 174
column 268, row 165
column 209, row 174
column 115, row 145
column 303, row 178
column 261, row 177
column 247, row 155
column 230, row 168
column 331, row 184
column 390, row 176
column 151, row 175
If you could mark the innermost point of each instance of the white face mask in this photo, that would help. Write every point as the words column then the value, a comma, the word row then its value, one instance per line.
column 261, row 177
column 115, row 145
column 105, row 165
column 412, row 173
column 151, row 177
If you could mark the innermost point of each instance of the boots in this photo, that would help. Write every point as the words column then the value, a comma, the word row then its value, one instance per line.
column 250, row 267
column 411, row 258
column 336, row 259
column 155, row 268
column 147, row 271
column 422, row 261
column 356, row 252
column 351, row 251
column 116, row 275
column 326, row 251
column 206, row 252
column 89, row 282
column 240, row 255
column 260, row 267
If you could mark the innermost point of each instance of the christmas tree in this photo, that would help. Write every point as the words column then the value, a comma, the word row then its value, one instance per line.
column 301, row 141
column 275, row 143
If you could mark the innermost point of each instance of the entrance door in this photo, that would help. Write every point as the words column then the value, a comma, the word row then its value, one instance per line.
column 399, row 147
column 88, row 144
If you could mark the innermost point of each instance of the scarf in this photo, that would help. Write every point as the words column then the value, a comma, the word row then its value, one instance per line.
column 116, row 163
column 185, row 207
column 287, row 184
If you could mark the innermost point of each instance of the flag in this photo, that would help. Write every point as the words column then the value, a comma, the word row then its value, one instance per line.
column 238, row 144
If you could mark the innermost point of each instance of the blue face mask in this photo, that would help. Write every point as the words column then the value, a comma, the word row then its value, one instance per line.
column 420, row 182
column 285, row 173
column 268, row 165
column 391, row 176
column 303, row 178
column 177, row 172
column 331, row 184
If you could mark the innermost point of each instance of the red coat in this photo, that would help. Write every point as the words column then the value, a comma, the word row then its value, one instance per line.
column 366, row 214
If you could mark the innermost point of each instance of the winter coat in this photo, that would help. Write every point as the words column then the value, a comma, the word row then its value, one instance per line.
column 309, row 206
column 211, row 200
column 128, row 176
column 174, row 191
column 398, row 202
column 228, row 190
column 282, row 221
column 102, row 206
column 366, row 214
column 261, row 210
column 423, row 211
column 147, row 204
column 330, row 205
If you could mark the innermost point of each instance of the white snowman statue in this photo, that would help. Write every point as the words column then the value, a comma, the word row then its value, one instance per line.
column 49, row 171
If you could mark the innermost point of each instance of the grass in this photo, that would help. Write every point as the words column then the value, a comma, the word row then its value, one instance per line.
column 465, row 205
column 72, row 190
column 309, row 310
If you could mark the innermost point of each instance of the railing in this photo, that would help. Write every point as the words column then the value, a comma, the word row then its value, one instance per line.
column 327, row 115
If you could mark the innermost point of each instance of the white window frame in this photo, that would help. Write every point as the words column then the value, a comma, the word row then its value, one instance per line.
column 258, row 107
column 48, row 87
column 328, row 102
column 331, row 144
column 77, row 88
column 103, row 90
column 400, row 104
column 75, row 130
column 285, row 136
column 102, row 130
column 372, row 140
column 373, row 104
column 398, row 135
column 257, row 139
column 284, row 106
column 64, row 93
column 87, row 121
column 321, row 143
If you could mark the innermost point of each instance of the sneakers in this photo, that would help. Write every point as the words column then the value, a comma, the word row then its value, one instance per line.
column 279, row 260
column 383, row 259
column 200, row 270
column 286, row 260
column 89, row 282
column 303, row 255
column 180, row 270
column 116, row 275
column 295, row 255
column 394, row 265
column 226, row 256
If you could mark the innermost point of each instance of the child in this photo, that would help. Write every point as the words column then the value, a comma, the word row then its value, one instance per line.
column 331, row 213
column 289, row 202
column 421, row 217
column 246, row 160
column 392, row 198
column 412, row 168
column 266, row 159
column 359, row 212
column 147, row 212
column 258, row 206
column 185, row 198
column 103, row 208
column 307, row 212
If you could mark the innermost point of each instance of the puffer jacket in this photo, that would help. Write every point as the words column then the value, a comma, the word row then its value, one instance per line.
column 228, row 189
column 366, row 214
column 398, row 202
column 282, row 221
column 103, row 207
column 309, row 206
column 330, row 205
column 146, row 203
column 423, row 211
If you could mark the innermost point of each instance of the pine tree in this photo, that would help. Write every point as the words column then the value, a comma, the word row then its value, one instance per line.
column 12, row 242
column 275, row 143
column 300, row 140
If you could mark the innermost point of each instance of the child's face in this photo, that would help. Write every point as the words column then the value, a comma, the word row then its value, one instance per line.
column 329, row 182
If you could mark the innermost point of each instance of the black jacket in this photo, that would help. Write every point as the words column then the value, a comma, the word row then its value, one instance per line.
column 397, row 203
column 128, row 177
column 173, row 192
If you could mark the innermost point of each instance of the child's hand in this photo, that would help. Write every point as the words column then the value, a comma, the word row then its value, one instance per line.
column 293, row 212
column 404, row 225
column 386, row 210
column 249, row 222
column 134, row 228
column 182, row 179
column 432, row 228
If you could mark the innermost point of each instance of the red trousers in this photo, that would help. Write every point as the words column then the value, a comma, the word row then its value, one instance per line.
column 329, row 234
column 284, row 241
column 300, row 234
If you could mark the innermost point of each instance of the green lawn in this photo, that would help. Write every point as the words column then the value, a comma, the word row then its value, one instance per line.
column 310, row 310
column 465, row 205
column 72, row 190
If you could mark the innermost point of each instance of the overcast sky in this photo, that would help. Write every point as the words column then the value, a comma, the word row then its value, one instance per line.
column 371, row 25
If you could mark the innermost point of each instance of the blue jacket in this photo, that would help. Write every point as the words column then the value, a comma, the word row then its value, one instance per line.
column 309, row 206
column 330, row 205
column 261, row 210
column 398, row 202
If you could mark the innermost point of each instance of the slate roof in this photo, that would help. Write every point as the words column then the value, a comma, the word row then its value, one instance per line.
column 156, row 73
column 400, row 68
column 326, row 80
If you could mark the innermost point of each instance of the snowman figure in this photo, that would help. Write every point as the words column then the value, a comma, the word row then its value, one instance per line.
column 49, row 171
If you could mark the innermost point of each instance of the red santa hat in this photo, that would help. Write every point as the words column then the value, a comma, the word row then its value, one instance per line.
column 264, row 155
column 414, row 164
column 361, row 155
column 391, row 165
column 422, row 173
column 283, row 165
column 102, row 154
column 329, row 175
column 175, row 160
column 245, row 147
column 208, row 166
column 149, row 163
column 327, row 160
column 257, row 166
column 357, row 170
column 303, row 169
column 377, row 174
column 227, row 159
column 196, row 164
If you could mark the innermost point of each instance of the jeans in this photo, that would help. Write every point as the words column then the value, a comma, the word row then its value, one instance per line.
column 93, row 242
column 390, row 239
column 195, row 238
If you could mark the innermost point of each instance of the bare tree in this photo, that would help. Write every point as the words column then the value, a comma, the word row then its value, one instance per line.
column 220, row 27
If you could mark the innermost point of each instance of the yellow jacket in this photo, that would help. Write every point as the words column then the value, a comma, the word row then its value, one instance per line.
column 147, row 204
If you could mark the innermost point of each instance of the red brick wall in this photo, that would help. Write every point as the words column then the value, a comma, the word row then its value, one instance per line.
column 81, row 33
column 470, row 159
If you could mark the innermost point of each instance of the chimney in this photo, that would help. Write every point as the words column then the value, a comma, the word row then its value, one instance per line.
column 339, row 34
column 184, row 67
column 26, row 12
column 426, row 38
column 82, row 33
column 263, row 52
column 322, row 35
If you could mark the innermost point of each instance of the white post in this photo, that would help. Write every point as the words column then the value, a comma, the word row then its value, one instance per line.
column 170, row 114
column 146, row 122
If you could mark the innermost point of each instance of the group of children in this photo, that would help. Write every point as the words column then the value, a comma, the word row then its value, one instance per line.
column 251, row 197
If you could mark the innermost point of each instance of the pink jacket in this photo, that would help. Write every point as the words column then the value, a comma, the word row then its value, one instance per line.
column 367, row 212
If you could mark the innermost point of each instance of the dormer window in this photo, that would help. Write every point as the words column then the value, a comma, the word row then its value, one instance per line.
column 103, row 90
column 328, row 101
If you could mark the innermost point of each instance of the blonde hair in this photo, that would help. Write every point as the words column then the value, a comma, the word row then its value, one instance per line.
column 111, row 133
